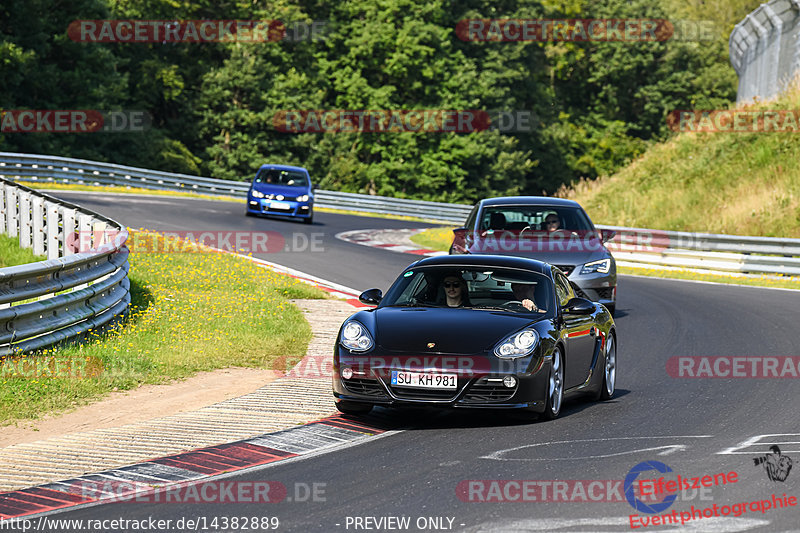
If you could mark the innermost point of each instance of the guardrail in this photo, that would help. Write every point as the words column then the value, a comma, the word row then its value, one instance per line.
column 710, row 252
column 631, row 247
column 39, row 168
column 73, row 290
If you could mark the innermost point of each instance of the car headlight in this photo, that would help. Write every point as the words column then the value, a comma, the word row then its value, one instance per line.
column 257, row 194
column 355, row 337
column 601, row 267
column 303, row 198
column 518, row 345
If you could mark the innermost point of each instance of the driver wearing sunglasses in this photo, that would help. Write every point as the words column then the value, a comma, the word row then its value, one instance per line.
column 455, row 291
column 551, row 222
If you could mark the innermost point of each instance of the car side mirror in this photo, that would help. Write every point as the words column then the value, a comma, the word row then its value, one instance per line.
column 371, row 297
column 578, row 306
column 607, row 234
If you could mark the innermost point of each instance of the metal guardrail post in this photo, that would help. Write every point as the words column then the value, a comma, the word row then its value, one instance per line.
column 765, row 50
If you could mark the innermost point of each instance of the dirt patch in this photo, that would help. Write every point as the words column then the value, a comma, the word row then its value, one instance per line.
column 145, row 403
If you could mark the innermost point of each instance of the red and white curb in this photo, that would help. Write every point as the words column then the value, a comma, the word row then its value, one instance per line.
column 394, row 240
column 157, row 475
column 135, row 482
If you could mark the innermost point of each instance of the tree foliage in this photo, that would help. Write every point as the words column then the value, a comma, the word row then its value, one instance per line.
column 597, row 105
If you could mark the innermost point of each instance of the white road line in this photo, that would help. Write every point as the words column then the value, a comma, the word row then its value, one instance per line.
column 498, row 455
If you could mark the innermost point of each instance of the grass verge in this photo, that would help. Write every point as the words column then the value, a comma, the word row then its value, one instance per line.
column 190, row 312
column 438, row 239
column 738, row 183
column 764, row 281
column 11, row 254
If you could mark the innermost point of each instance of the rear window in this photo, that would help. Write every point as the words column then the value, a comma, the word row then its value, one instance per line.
column 274, row 176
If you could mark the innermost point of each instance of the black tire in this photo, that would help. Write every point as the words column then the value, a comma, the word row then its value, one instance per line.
column 353, row 408
column 555, row 387
column 611, row 308
column 609, row 370
column 248, row 213
column 309, row 220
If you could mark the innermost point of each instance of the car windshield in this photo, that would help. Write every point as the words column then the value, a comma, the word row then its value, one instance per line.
column 482, row 288
column 276, row 176
column 534, row 218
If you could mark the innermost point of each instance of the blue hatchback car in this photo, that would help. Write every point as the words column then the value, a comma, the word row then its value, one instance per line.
column 281, row 190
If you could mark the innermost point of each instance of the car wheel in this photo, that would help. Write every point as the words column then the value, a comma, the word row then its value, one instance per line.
column 609, row 370
column 309, row 220
column 248, row 214
column 352, row 408
column 555, row 386
column 611, row 308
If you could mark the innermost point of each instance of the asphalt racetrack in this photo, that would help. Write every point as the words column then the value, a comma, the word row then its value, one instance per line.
column 482, row 471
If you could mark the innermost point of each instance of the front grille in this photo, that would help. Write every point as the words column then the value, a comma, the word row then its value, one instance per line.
column 365, row 387
column 566, row 269
column 424, row 394
column 489, row 391
column 606, row 293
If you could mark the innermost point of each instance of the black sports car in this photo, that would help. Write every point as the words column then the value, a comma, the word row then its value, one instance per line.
column 476, row 331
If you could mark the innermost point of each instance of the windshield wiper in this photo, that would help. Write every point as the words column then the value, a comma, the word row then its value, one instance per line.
column 412, row 304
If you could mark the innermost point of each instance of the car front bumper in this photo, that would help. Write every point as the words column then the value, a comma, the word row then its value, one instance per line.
column 481, row 390
column 261, row 206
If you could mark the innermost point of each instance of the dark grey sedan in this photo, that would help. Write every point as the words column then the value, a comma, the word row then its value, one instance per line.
column 552, row 230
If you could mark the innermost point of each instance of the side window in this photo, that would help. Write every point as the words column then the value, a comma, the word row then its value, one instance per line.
column 563, row 290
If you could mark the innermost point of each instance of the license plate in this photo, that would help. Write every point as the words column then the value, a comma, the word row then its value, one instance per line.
column 424, row 380
column 280, row 205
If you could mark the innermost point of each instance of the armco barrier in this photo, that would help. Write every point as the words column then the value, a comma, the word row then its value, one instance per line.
column 69, row 293
column 710, row 252
column 40, row 168
column 696, row 251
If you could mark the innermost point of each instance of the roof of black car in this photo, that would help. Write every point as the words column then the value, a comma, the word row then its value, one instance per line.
column 506, row 261
column 530, row 200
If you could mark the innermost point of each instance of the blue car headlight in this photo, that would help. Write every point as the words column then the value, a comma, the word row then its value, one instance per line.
column 519, row 344
column 303, row 198
column 257, row 194
column 600, row 267
column 355, row 337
